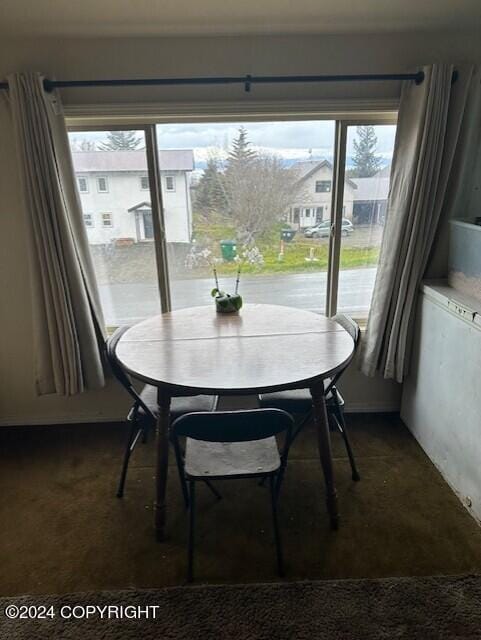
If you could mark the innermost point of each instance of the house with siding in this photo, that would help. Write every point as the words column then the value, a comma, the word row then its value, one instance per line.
column 365, row 199
column 115, row 195
column 313, row 202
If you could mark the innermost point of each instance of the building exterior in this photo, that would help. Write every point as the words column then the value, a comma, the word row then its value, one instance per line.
column 370, row 200
column 365, row 199
column 115, row 195
column 313, row 203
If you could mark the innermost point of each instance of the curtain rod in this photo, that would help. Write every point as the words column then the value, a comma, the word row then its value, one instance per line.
column 247, row 80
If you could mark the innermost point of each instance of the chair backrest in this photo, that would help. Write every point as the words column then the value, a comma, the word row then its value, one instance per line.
column 350, row 326
column 234, row 426
column 119, row 372
column 111, row 346
column 354, row 331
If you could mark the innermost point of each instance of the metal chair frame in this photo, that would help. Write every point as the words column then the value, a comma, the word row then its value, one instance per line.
column 137, row 428
column 245, row 425
column 333, row 405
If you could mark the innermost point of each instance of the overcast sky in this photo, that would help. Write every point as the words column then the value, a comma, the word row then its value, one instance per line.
column 289, row 139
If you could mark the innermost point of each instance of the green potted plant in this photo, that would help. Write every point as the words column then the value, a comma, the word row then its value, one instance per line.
column 226, row 302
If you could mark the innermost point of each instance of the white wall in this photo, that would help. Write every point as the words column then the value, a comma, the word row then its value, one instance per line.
column 123, row 192
column 76, row 58
column 177, row 209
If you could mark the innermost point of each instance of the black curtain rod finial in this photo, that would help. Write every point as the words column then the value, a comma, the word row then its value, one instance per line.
column 419, row 77
column 48, row 85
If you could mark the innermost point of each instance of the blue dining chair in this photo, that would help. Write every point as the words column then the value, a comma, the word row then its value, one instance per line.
column 144, row 412
column 231, row 445
column 299, row 401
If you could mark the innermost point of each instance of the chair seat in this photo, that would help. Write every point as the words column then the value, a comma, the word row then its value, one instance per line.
column 221, row 459
column 295, row 400
column 178, row 406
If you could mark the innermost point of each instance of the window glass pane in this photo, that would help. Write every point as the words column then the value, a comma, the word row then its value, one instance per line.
column 246, row 192
column 88, row 220
column 119, row 222
column 82, row 185
column 102, row 184
column 323, row 186
column 107, row 220
column 368, row 164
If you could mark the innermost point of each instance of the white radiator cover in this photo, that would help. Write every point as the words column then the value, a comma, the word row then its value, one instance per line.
column 441, row 401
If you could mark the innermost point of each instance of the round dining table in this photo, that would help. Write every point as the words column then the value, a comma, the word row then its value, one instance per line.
column 261, row 349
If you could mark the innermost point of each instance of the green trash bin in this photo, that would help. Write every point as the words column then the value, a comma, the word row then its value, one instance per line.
column 228, row 249
column 288, row 234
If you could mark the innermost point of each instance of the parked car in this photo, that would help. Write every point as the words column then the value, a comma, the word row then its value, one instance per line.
column 323, row 229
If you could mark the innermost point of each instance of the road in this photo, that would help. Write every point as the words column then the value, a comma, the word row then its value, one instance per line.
column 128, row 303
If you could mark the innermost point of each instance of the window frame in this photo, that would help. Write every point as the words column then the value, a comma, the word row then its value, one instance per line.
column 343, row 113
column 323, row 182
column 338, row 209
column 86, row 190
column 97, row 181
column 142, row 188
column 166, row 179
column 92, row 220
column 102, row 219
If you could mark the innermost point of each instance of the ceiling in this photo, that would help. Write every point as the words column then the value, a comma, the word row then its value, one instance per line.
column 216, row 17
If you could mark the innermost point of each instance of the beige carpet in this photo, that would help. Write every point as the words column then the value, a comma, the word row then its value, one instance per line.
column 411, row 608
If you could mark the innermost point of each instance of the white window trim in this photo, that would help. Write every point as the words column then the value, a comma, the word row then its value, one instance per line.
column 87, row 190
column 147, row 187
column 97, row 179
column 170, row 177
column 107, row 213
column 321, row 190
column 92, row 220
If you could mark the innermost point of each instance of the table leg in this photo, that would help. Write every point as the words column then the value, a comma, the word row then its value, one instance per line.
column 162, row 463
column 325, row 453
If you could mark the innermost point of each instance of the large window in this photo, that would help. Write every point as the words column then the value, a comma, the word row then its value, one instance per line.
column 298, row 205
column 240, row 187
column 118, row 217
column 367, row 167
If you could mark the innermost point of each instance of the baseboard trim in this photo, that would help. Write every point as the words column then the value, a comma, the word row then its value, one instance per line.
column 378, row 407
column 42, row 421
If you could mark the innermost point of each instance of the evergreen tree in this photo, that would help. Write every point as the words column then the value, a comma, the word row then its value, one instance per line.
column 366, row 162
column 210, row 191
column 240, row 153
column 120, row 141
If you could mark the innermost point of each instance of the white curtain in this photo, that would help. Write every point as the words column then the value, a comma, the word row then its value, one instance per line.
column 68, row 323
column 432, row 117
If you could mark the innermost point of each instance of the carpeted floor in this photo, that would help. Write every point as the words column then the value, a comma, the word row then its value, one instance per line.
column 403, row 608
column 64, row 531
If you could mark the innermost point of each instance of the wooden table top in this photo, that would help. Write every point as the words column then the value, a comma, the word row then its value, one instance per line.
column 262, row 348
